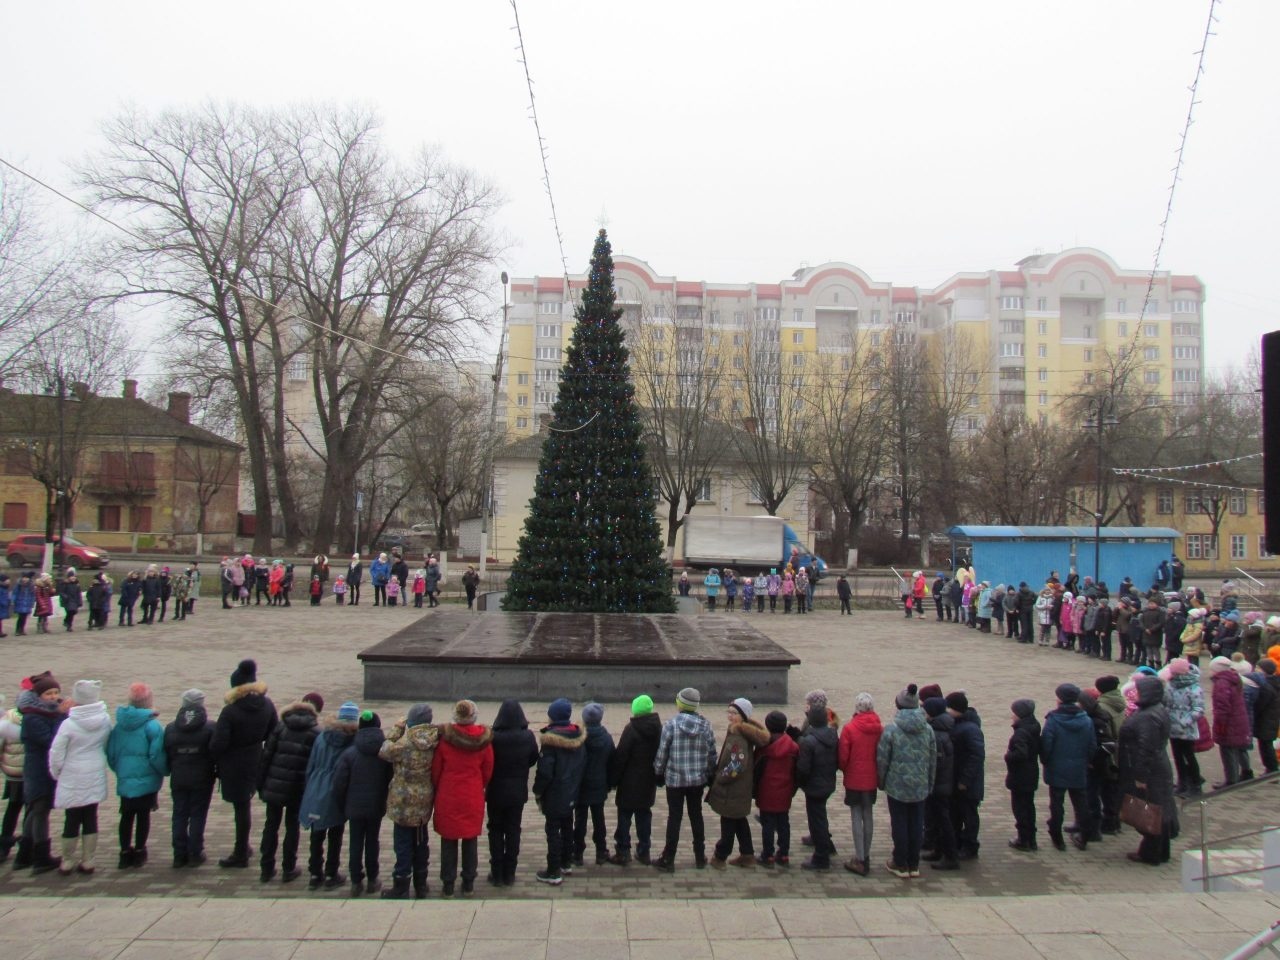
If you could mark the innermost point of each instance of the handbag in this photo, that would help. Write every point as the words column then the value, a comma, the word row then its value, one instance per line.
column 1205, row 740
column 1143, row 815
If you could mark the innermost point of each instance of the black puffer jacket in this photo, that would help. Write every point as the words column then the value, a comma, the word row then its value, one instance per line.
column 595, row 775
column 1022, row 758
column 971, row 755
column 244, row 723
column 818, row 762
column 361, row 778
column 283, row 772
column 560, row 764
column 186, row 744
column 631, row 768
column 515, row 751
column 944, row 768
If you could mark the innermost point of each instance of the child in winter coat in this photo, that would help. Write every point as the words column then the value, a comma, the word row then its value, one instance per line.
column 419, row 588
column 94, row 598
column 44, row 602
column 43, row 710
column 733, row 784
column 340, row 589
column 360, row 783
column 130, row 590
column 856, row 757
column 711, row 584
column 136, row 754
column 319, row 811
column 77, row 762
column 282, row 778
column 1022, row 777
column 515, row 751
column 775, row 774
column 24, row 601
column 595, row 787
column 773, row 585
column 191, row 773
column 761, row 589
column 461, row 769
column 393, row 591
column 181, row 591
column 816, row 768
column 802, row 590
column 748, row 592
column 6, row 600
column 317, row 590
column 11, row 768
column 631, row 777
column 410, row 749
column 685, row 763
column 939, row 830
column 557, row 785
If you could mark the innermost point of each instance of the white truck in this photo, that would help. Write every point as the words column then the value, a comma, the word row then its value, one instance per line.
column 743, row 542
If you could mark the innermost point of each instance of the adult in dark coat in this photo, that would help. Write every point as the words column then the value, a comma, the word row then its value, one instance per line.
column 1067, row 747
column 937, row 809
column 149, row 591
column 1266, row 718
column 400, row 570
column 245, row 722
column 1026, row 611
column 971, row 754
column 360, row 783
column 595, row 786
column 1022, row 773
column 192, row 772
column 515, row 751
column 1144, row 766
column 355, row 576
column 282, row 776
column 635, row 787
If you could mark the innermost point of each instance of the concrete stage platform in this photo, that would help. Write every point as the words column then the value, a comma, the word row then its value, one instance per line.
column 452, row 654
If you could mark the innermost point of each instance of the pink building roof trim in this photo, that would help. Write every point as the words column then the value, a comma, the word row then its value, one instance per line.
column 1012, row 278
column 905, row 295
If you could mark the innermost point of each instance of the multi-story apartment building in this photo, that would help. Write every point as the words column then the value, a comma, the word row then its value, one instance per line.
column 1040, row 331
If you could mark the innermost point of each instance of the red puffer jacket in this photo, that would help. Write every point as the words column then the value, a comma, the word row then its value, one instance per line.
column 857, row 757
column 1230, row 721
column 460, row 771
column 776, row 763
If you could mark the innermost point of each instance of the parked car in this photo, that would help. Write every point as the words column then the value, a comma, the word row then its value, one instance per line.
column 28, row 549
column 392, row 541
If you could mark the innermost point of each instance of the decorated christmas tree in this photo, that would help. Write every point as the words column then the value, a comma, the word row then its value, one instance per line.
column 591, row 542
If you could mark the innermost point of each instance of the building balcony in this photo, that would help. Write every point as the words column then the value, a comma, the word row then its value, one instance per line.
column 114, row 484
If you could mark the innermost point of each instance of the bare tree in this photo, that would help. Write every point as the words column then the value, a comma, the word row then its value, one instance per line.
column 951, row 383
column 209, row 469
column 33, row 274
column 679, row 388
column 1014, row 474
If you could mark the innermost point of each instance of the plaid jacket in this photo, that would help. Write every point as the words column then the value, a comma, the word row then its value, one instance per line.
column 686, row 752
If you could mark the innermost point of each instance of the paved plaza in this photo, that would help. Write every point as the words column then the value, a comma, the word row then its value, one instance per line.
column 988, row 908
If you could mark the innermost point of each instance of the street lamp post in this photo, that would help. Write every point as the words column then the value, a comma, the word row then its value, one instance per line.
column 486, row 505
column 1103, row 418
column 55, row 549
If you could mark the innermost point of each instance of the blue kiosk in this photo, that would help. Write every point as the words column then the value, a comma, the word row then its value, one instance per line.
column 1002, row 554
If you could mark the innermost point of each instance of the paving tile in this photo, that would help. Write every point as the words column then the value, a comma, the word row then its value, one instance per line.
column 511, row 921
column 833, row 948
column 1156, row 945
column 167, row 950
column 739, row 921
column 645, row 922
column 891, row 918
column 1009, row 946
column 915, row 948
column 106, row 921
column 588, row 922
column 1073, row 946
column 1187, row 914
column 355, row 920
column 83, row 949
column 284, row 919
column 407, row 950
column 828, row 918
column 751, row 950
column 260, row 950
column 38, row 920
column 959, row 917
column 1028, row 915
column 504, row 950
column 1211, row 945
column 1247, row 911
column 691, row 949
column 587, row 950
column 428, row 920
column 344, row 949
column 207, row 922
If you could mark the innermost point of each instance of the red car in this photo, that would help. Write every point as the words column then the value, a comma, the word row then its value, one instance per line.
column 29, row 549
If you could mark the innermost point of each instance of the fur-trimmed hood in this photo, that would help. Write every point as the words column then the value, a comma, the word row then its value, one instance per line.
column 472, row 736
column 299, row 716
column 244, row 690
column 567, row 737
column 751, row 730
column 330, row 722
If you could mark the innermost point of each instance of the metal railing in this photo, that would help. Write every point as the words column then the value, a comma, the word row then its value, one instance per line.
column 1266, row 940
column 1207, row 876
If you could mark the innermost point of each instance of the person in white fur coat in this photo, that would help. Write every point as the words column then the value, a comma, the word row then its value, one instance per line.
column 78, row 761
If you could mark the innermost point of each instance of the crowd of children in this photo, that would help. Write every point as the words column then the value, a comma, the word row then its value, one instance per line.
column 32, row 597
column 338, row 776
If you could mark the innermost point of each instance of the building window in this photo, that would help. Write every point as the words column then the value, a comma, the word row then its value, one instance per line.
column 767, row 314
column 797, row 359
column 1186, row 329
column 549, row 307
column 1010, row 303
column 139, row 519
column 522, row 399
column 1043, row 399
column 1186, row 376
column 1122, row 329
column 15, row 516
column 1186, row 353
column 1042, row 351
column 1151, row 376
column 108, row 517
column 1191, row 502
column 875, row 316
column 1153, row 306
column 1263, row 552
column 1122, row 305
column 551, row 330
column 547, row 375
column 1238, row 549
column 1088, row 332
column 522, row 379
column 1010, row 349
column 1164, row 501
column 1150, row 330
column 1011, row 326
column 522, row 423
column 1088, row 377
column 1042, row 375
column 797, row 336
column 296, row 370
column 1042, row 303
column 704, row 491
column 739, row 317
column 546, row 353
column 1262, row 504
column 904, row 316
column 1088, row 355
column 875, row 339
column 1186, row 306
column 1042, row 328
column 1194, row 548
column 1238, row 503
column 544, row 397
column 971, row 424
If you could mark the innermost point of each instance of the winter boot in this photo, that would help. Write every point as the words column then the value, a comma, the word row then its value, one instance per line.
column 6, row 845
column 86, row 864
column 495, row 873
column 68, row 864
column 139, row 856
column 126, row 859
column 42, row 861
column 420, row 885
column 602, row 855
column 468, row 886
column 399, row 889
column 509, row 875
column 22, row 859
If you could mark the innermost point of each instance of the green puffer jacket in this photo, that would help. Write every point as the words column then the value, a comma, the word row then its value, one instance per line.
column 410, row 752
column 11, row 744
column 906, row 757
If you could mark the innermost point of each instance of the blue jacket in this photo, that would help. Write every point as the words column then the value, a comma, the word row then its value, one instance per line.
column 135, row 751
column 5, row 601
column 40, row 721
column 1067, row 745
column 361, row 779
column 558, row 780
column 24, row 595
column 129, row 591
column 595, row 775
column 319, row 809
column 379, row 573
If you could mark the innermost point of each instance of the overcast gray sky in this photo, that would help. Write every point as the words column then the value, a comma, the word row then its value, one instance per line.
column 734, row 141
